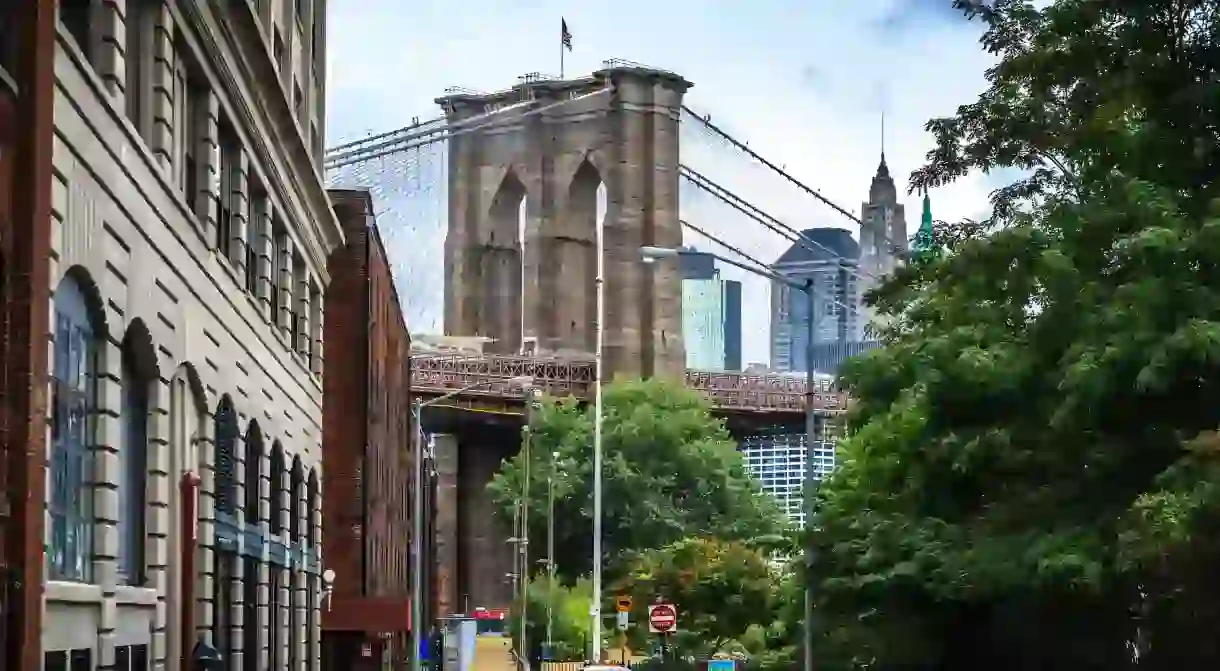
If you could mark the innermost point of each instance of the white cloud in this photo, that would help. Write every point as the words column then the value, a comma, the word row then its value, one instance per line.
column 802, row 83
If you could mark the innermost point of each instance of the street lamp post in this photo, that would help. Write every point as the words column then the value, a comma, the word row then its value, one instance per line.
column 651, row 254
column 550, row 553
column 417, row 510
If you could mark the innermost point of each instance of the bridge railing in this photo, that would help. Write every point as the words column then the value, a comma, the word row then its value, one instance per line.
column 444, row 373
column 436, row 374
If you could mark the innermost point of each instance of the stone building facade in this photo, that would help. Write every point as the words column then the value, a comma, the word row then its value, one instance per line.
column 368, row 434
column 190, row 231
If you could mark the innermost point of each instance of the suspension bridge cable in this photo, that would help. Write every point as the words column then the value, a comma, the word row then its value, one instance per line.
column 742, row 205
column 896, row 249
column 423, row 138
column 763, row 266
column 782, row 173
column 857, row 272
column 402, row 135
column 381, row 136
column 722, row 243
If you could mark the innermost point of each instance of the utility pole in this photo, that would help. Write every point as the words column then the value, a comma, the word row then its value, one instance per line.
column 525, row 544
column 550, row 552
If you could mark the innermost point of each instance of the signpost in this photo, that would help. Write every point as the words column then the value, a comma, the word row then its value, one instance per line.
column 662, row 618
column 622, row 603
column 622, row 620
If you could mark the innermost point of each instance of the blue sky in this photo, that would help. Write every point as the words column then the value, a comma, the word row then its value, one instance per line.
column 803, row 83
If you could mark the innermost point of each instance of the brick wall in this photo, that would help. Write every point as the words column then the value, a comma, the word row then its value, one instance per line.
column 366, row 403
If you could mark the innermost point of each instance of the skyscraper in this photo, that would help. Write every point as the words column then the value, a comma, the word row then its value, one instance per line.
column 711, row 316
column 831, row 264
column 883, row 237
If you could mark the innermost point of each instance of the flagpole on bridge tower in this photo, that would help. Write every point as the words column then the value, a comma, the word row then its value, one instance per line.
column 565, row 42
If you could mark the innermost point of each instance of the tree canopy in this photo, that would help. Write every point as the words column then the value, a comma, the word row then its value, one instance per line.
column 1031, row 475
column 722, row 588
column 671, row 471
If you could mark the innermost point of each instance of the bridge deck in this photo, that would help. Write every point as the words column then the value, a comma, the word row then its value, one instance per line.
column 439, row 374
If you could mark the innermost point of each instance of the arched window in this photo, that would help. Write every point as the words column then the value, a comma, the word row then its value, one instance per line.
column 277, row 486
column 224, row 435
column 311, row 498
column 311, row 579
column 297, row 479
column 250, row 562
column 226, row 439
column 133, row 461
column 71, row 497
column 254, row 472
column 277, row 604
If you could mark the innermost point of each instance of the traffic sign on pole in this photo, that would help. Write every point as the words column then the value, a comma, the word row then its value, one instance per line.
column 623, row 603
column 662, row 618
column 622, row 619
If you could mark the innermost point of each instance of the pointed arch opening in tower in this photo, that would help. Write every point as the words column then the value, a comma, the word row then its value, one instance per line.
column 500, row 267
column 572, row 255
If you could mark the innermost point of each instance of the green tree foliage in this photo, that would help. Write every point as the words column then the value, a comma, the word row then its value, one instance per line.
column 1031, row 476
column 721, row 588
column 671, row 471
column 569, row 613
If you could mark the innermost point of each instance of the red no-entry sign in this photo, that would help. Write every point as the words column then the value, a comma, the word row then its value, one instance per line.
column 662, row 618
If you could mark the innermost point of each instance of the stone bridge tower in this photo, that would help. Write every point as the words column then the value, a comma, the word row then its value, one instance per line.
column 533, row 171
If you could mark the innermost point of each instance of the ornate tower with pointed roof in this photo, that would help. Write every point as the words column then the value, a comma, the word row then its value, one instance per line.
column 922, row 246
column 883, row 234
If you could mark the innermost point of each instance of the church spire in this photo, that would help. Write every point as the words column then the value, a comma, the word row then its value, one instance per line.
column 923, row 245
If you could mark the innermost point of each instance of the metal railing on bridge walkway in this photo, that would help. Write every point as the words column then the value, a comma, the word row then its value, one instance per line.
column 437, row 374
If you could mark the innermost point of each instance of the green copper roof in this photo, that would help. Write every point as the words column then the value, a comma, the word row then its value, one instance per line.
column 922, row 245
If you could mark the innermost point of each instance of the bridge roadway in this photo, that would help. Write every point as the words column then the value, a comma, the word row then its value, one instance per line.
column 433, row 375
column 479, row 428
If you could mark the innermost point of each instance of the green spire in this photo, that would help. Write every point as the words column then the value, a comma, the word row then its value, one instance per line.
column 922, row 245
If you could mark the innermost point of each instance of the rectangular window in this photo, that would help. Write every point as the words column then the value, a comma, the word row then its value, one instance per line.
column 311, row 621
column 139, row 31
column 222, row 604
column 250, row 611
column 315, row 321
column 277, row 619
column 258, row 196
column 8, row 41
column 298, row 100
column 189, row 89
column 278, row 51
column 277, row 300
column 298, row 285
column 294, row 625
column 77, row 17
column 230, row 149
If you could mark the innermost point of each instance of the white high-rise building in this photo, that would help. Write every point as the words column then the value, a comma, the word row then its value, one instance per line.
column 776, row 457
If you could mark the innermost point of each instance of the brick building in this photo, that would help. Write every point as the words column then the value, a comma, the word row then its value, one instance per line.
column 27, row 49
column 190, row 230
column 367, row 438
